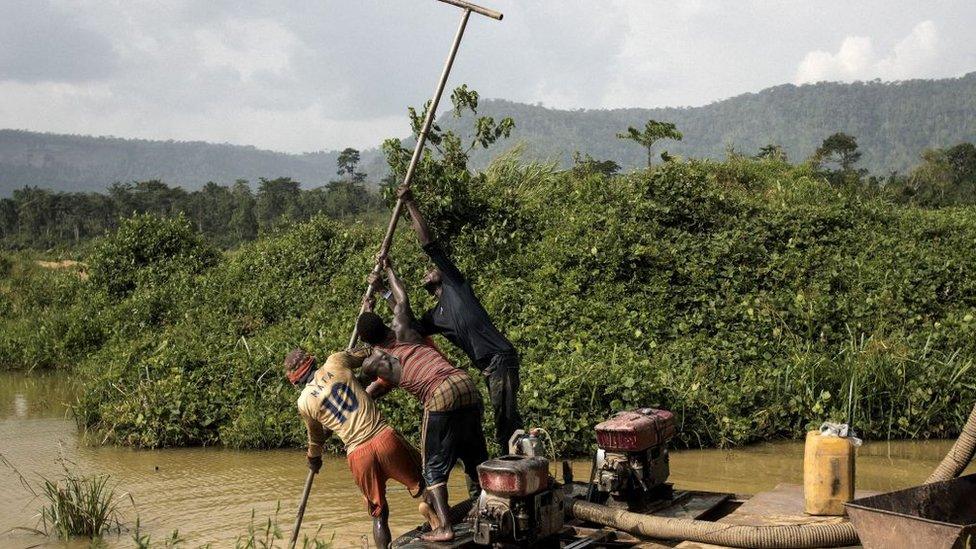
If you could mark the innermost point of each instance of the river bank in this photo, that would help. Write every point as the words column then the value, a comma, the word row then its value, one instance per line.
column 209, row 493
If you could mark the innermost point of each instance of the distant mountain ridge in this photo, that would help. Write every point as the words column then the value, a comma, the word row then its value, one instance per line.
column 893, row 123
column 84, row 163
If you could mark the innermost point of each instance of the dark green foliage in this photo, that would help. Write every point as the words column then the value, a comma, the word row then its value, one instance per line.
column 772, row 152
column 45, row 319
column 348, row 165
column 748, row 296
column 146, row 252
column 945, row 177
column 227, row 216
column 840, row 149
column 962, row 161
column 585, row 164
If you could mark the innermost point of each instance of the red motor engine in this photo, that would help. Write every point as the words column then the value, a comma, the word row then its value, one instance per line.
column 632, row 457
column 514, row 476
column 520, row 505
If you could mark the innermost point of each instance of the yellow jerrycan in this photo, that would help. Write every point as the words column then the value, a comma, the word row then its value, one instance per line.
column 828, row 472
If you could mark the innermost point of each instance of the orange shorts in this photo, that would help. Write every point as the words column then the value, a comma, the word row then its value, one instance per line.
column 383, row 457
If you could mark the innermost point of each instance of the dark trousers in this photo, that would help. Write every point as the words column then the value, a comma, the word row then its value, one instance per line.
column 502, row 372
column 451, row 436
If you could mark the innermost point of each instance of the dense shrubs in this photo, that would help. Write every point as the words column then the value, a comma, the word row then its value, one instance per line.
column 148, row 251
column 750, row 297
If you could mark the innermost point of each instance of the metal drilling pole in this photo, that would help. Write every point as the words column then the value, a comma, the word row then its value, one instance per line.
column 422, row 138
column 391, row 228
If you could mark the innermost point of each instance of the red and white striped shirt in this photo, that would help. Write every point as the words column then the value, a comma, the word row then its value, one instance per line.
column 423, row 368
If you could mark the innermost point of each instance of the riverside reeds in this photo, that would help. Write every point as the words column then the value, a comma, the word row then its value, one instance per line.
column 80, row 506
column 74, row 505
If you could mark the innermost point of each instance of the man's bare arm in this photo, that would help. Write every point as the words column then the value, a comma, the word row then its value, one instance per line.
column 376, row 281
column 417, row 220
column 403, row 323
column 377, row 389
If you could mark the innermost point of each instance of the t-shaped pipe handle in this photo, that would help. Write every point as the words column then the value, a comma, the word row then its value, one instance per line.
column 476, row 9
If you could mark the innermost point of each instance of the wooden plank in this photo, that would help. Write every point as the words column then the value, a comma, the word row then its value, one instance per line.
column 782, row 506
column 463, row 537
column 695, row 505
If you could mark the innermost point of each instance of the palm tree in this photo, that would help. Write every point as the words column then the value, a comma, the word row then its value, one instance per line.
column 654, row 131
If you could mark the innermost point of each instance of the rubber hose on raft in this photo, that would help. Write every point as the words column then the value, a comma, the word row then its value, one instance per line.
column 718, row 533
column 960, row 455
column 763, row 537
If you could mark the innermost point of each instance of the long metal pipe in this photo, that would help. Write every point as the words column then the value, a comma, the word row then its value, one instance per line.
column 417, row 153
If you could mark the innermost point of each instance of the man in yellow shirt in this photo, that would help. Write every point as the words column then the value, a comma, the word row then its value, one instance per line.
column 333, row 401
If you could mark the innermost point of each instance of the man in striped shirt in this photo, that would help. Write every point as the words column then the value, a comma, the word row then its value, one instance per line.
column 451, row 428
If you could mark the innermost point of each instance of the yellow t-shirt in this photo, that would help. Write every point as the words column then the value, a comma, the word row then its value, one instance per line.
column 335, row 401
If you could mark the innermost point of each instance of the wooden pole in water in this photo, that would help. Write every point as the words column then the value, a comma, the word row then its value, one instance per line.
column 301, row 509
column 422, row 138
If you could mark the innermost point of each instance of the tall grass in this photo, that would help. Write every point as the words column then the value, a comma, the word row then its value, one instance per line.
column 77, row 506
column 145, row 541
column 74, row 505
column 269, row 535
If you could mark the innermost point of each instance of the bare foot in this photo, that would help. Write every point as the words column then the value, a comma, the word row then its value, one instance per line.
column 440, row 534
column 430, row 515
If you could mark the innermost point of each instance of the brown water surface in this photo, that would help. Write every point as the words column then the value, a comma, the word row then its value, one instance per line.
column 209, row 493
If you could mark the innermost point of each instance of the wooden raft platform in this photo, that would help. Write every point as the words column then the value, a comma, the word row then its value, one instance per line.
column 780, row 507
column 783, row 506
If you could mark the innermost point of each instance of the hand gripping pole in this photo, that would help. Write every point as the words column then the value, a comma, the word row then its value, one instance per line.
column 422, row 138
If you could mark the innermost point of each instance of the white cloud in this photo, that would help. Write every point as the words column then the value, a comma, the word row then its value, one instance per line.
column 297, row 76
column 916, row 55
column 232, row 45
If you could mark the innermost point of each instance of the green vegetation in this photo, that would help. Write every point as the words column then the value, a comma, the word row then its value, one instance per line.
column 751, row 296
column 82, row 506
column 748, row 296
column 654, row 131
column 226, row 215
column 893, row 121
column 83, row 163
column 79, row 506
column 269, row 535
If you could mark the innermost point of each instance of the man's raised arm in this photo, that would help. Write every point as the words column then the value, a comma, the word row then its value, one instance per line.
column 433, row 249
column 416, row 218
column 402, row 314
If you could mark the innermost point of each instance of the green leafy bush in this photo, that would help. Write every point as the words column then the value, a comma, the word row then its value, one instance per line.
column 749, row 296
column 146, row 251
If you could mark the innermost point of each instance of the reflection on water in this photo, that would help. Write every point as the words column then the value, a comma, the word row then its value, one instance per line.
column 208, row 494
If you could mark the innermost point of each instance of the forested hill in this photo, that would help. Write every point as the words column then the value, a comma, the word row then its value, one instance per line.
column 893, row 123
column 84, row 163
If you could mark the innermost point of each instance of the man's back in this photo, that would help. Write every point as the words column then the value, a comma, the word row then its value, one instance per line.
column 424, row 368
column 336, row 400
column 459, row 314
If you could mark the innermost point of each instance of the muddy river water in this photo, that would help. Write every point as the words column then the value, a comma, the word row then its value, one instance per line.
column 209, row 494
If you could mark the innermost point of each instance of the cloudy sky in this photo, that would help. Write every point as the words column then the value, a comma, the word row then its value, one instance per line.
column 310, row 75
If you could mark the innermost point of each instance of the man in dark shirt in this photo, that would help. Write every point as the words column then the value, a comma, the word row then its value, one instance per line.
column 460, row 317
